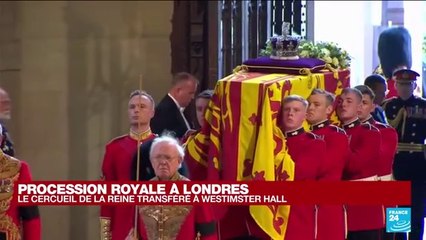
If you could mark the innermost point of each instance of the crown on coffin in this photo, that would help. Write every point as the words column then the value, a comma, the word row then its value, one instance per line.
column 285, row 47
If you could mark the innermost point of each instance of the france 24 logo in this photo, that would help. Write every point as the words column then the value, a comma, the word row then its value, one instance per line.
column 398, row 220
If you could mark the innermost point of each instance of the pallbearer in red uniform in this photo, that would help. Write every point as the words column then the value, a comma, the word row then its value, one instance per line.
column 389, row 142
column 117, row 163
column 172, row 222
column 388, row 134
column 331, row 219
column 16, row 223
column 308, row 152
column 364, row 222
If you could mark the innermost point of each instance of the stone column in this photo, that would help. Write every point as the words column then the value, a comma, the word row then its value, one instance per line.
column 43, row 110
column 69, row 68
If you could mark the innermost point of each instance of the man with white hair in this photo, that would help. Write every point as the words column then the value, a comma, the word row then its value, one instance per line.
column 5, row 114
column 166, row 148
column 184, row 222
column 17, row 222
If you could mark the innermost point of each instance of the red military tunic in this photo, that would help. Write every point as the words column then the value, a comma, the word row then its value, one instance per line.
column 16, row 222
column 389, row 146
column 331, row 218
column 117, row 166
column 308, row 152
column 362, row 165
column 176, row 222
column 387, row 152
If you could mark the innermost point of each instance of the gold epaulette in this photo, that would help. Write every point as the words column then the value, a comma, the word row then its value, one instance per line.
column 105, row 228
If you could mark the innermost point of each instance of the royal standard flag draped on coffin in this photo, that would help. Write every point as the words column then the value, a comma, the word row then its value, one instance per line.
column 241, row 139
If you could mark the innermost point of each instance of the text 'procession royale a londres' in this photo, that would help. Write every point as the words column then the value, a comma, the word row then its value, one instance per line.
column 141, row 193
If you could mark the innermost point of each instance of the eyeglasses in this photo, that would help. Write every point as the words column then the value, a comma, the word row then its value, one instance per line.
column 168, row 158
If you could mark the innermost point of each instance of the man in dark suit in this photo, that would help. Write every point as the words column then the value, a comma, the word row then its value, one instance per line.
column 169, row 113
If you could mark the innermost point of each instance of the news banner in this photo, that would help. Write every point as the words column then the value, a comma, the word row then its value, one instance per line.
column 212, row 193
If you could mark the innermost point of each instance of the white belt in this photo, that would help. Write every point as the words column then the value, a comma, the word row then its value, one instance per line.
column 372, row 178
column 386, row 178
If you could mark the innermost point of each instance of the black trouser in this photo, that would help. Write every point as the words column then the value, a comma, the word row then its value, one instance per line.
column 412, row 167
column 418, row 196
column 365, row 235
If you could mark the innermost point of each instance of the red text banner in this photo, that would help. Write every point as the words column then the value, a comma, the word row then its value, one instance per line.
column 212, row 193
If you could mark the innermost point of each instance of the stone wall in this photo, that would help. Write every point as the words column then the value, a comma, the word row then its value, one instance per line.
column 69, row 68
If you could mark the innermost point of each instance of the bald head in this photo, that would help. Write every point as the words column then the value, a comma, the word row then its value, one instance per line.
column 184, row 86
